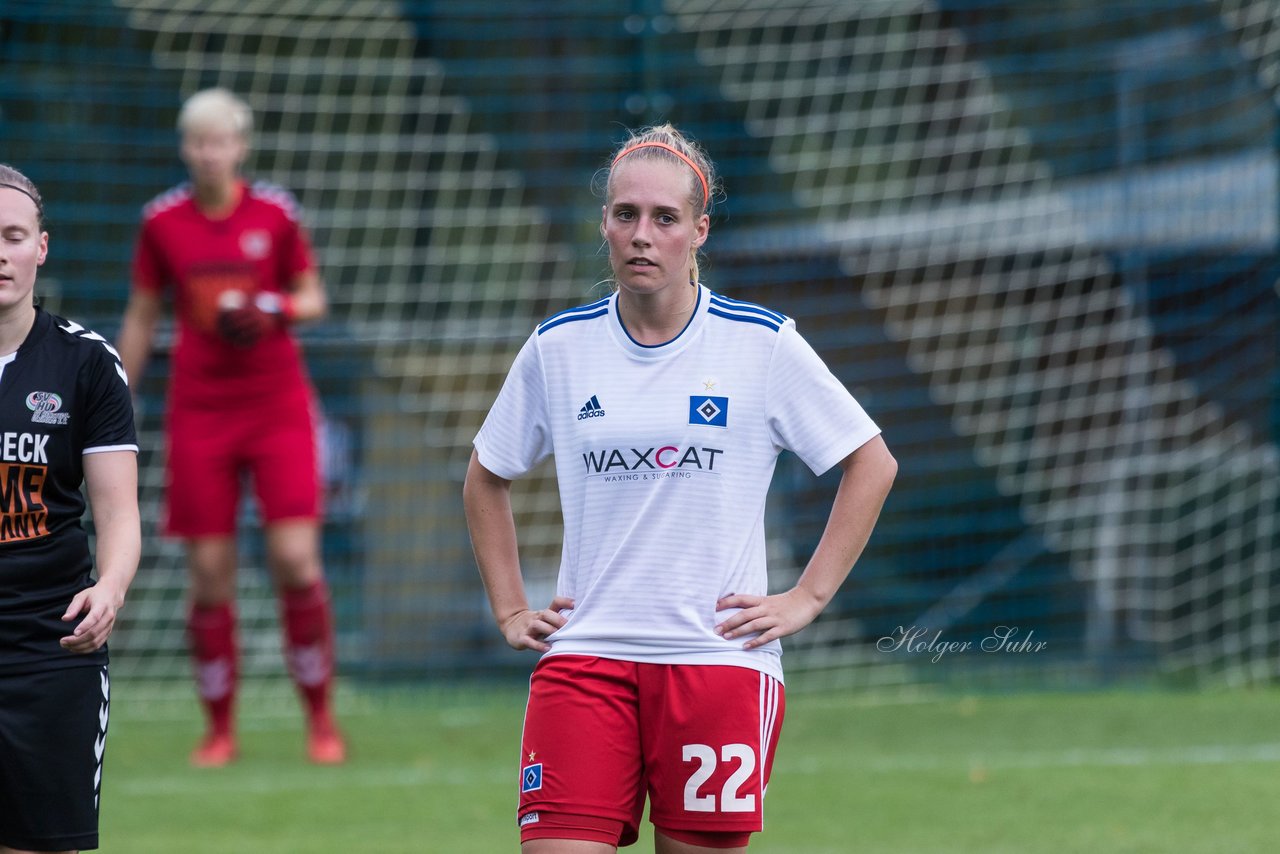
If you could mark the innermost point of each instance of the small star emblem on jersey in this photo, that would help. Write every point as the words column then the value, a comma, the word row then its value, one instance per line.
column 533, row 754
column 709, row 385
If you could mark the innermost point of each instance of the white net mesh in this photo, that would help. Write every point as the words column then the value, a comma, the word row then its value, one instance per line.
column 1037, row 240
column 434, row 262
column 1002, row 282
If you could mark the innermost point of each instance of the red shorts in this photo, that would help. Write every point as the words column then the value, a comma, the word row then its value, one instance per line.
column 210, row 452
column 601, row 734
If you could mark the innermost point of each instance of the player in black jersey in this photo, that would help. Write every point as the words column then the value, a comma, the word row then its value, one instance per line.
column 66, row 419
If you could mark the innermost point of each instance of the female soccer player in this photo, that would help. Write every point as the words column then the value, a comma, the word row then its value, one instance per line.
column 665, row 406
column 241, row 272
column 66, row 419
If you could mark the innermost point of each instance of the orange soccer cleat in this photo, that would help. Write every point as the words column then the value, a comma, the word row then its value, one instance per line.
column 325, row 745
column 215, row 751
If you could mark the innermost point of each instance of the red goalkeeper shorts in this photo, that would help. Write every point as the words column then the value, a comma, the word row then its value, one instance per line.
column 601, row 735
column 211, row 452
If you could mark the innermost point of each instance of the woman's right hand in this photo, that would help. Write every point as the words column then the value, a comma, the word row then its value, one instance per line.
column 529, row 629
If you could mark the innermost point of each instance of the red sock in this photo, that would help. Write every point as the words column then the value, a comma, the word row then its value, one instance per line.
column 211, row 631
column 308, row 635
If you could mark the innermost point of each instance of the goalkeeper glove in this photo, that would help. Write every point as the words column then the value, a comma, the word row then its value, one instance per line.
column 244, row 323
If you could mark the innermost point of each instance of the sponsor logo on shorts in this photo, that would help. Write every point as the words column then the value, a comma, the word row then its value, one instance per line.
column 531, row 778
column 46, row 408
column 528, row 819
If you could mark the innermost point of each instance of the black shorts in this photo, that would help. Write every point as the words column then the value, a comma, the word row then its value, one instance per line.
column 53, row 728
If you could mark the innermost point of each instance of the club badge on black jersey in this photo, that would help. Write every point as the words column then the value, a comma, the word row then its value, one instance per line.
column 63, row 395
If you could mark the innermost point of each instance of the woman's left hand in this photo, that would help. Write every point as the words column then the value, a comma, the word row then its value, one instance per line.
column 99, row 604
column 772, row 616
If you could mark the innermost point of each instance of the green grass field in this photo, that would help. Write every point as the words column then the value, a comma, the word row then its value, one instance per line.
column 1143, row 771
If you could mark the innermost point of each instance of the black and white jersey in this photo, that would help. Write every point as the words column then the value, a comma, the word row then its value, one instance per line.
column 63, row 394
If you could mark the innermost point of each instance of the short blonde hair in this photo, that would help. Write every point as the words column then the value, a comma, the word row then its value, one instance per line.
column 216, row 107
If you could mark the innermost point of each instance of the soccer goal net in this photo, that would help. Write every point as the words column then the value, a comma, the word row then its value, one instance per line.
column 1038, row 242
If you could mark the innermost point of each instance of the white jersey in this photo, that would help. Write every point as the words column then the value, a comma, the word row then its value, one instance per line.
column 664, row 455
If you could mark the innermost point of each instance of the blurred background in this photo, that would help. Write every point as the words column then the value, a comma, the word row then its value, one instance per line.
column 1038, row 241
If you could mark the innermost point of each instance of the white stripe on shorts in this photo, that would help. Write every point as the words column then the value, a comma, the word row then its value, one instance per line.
column 768, row 719
column 99, row 744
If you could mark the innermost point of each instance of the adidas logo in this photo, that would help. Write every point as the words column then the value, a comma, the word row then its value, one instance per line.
column 591, row 409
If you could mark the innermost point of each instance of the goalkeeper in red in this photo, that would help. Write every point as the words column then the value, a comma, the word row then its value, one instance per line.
column 665, row 406
column 238, row 267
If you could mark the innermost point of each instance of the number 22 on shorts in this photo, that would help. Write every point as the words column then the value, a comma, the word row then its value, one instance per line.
column 730, row 799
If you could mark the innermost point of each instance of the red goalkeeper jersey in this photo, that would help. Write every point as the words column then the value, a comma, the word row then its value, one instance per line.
column 259, row 247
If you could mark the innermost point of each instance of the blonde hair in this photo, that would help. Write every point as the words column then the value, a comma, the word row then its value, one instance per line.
column 216, row 107
column 664, row 142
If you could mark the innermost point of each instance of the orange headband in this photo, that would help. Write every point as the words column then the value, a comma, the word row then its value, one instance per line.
column 706, row 192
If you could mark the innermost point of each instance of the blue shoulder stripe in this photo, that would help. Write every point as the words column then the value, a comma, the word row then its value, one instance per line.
column 582, row 312
column 740, row 305
column 744, row 318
